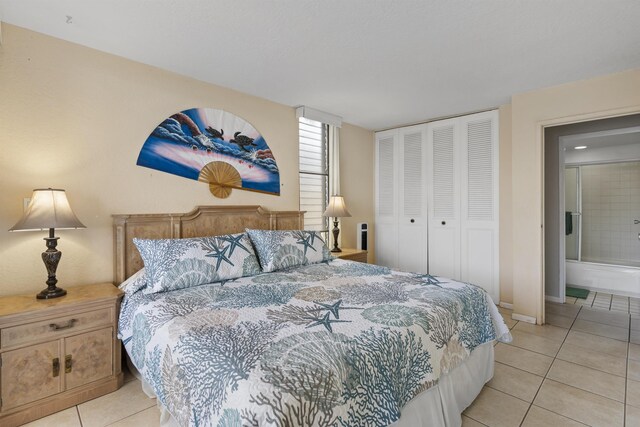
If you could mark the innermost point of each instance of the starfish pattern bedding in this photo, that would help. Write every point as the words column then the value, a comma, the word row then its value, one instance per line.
column 333, row 344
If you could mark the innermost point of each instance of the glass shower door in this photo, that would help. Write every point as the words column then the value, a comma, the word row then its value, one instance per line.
column 572, row 212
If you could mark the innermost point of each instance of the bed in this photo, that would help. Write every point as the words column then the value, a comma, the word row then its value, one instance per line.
column 329, row 343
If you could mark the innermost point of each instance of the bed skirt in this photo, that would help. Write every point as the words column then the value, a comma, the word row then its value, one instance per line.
column 440, row 405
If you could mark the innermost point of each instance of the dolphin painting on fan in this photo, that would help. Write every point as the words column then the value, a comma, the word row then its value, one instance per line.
column 215, row 147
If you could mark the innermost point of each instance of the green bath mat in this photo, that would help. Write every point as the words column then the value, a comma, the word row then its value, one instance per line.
column 577, row 292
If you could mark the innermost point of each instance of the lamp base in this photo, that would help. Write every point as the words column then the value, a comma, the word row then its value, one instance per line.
column 49, row 293
column 51, row 257
column 336, row 232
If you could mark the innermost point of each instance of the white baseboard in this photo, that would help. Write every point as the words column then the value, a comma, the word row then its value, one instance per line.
column 523, row 318
column 516, row 316
column 553, row 299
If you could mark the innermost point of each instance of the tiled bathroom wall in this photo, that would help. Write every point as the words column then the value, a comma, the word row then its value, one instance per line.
column 610, row 204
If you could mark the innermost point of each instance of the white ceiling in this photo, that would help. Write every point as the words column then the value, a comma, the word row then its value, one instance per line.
column 377, row 64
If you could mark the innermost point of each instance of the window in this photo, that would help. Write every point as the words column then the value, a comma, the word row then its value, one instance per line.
column 314, row 174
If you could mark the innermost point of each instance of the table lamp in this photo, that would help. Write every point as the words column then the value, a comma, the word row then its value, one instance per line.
column 336, row 209
column 49, row 209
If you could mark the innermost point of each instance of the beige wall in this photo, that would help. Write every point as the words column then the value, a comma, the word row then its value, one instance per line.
column 356, row 184
column 506, row 220
column 76, row 118
column 611, row 95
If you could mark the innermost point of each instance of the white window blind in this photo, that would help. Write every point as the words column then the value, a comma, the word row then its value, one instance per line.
column 314, row 174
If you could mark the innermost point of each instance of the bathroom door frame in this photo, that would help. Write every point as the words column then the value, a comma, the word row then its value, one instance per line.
column 542, row 126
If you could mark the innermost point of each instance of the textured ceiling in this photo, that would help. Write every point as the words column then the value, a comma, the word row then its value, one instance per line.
column 377, row 64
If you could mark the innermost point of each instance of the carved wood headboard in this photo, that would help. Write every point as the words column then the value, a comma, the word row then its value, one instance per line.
column 200, row 222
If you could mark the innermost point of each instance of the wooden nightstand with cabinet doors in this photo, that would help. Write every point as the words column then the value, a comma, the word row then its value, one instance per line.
column 57, row 353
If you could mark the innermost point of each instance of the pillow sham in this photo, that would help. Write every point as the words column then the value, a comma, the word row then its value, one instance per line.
column 133, row 284
column 279, row 249
column 172, row 264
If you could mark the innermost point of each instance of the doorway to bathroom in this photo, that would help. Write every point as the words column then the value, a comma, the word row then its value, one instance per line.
column 592, row 208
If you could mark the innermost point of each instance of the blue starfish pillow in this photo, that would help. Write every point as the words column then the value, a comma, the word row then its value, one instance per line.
column 181, row 263
column 283, row 249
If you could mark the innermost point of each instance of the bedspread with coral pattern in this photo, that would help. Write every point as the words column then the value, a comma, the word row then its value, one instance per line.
column 340, row 343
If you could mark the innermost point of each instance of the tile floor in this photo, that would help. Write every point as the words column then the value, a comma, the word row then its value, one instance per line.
column 580, row 369
column 605, row 301
column 126, row 407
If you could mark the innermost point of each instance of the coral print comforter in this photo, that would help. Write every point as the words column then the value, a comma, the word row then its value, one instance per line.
column 338, row 343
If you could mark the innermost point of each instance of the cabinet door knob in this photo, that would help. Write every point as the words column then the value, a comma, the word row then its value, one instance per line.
column 412, row 220
column 444, row 222
column 55, row 367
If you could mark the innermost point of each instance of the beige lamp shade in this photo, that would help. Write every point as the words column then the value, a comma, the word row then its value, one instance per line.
column 49, row 208
column 336, row 208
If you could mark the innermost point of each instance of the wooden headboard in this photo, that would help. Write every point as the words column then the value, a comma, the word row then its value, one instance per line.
column 200, row 222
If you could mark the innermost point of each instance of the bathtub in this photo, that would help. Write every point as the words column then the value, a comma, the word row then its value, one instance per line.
column 617, row 279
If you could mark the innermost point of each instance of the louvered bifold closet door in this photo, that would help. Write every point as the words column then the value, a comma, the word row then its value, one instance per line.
column 412, row 227
column 386, row 229
column 479, row 220
column 443, row 199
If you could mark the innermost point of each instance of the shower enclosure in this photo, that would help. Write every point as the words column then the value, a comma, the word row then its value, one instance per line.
column 602, row 226
column 602, row 203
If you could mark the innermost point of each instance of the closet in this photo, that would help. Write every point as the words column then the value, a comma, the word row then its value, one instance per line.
column 437, row 199
column 401, row 215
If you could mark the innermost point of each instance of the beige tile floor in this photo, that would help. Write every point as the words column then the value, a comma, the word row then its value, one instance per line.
column 606, row 301
column 580, row 369
column 126, row 407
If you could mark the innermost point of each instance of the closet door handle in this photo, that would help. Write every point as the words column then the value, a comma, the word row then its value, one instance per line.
column 444, row 222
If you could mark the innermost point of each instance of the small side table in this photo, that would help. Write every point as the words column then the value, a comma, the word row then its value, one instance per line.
column 57, row 353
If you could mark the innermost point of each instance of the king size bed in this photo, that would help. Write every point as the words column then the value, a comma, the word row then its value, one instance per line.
column 259, row 326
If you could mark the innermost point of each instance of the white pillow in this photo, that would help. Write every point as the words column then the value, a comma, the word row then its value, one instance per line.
column 133, row 284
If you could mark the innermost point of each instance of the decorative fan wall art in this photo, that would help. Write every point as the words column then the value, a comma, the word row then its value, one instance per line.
column 215, row 147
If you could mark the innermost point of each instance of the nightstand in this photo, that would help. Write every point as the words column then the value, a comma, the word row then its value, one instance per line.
column 351, row 254
column 57, row 353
